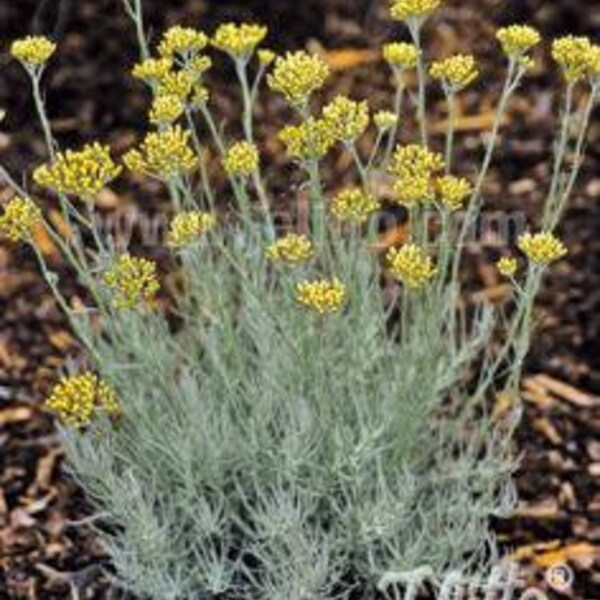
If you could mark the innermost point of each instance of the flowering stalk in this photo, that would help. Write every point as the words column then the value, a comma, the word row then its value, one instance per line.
column 556, row 201
column 560, row 150
column 414, row 27
column 135, row 11
column 41, row 111
column 393, row 133
column 204, row 178
column 513, row 78
column 450, row 130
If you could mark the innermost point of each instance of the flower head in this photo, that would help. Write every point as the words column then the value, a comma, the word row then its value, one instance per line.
column 20, row 218
column 414, row 159
column 573, row 54
column 266, row 56
column 413, row 9
column 166, row 109
column 312, row 139
column 33, row 50
column 177, row 83
column 452, row 191
column 152, row 70
column 80, row 398
column 183, row 41
column 354, row 205
column 507, row 266
column 516, row 40
column 401, row 56
column 542, row 248
column 323, row 296
column 186, row 228
column 411, row 265
column 414, row 167
column 198, row 65
column 456, row 72
column 594, row 64
column 132, row 280
column 200, row 96
column 241, row 160
column 239, row 41
column 385, row 120
column 297, row 75
column 163, row 154
column 81, row 173
column 348, row 119
column 292, row 248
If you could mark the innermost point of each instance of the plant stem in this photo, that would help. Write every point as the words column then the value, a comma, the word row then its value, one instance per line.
column 393, row 134
column 415, row 31
column 207, row 188
column 316, row 200
column 474, row 203
column 43, row 117
column 451, row 97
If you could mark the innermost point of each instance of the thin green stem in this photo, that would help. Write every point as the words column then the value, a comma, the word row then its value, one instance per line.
column 556, row 211
column 135, row 11
column 415, row 31
column 206, row 186
column 510, row 83
column 393, row 134
column 43, row 117
column 242, row 73
column 450, row 130
column 317, row 208
column 364, row 178
column 561, row 150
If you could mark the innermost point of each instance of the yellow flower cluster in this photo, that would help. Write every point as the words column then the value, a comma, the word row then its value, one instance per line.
column 385, row 120
column 266, row 56
column 187, row 227
column 414, row 167
column 81, row 173
column 198, row 65
column 455, row 72
column 241, row 160
column 163, row 154
column 80, row 398
column 594, row 64
column 516, row 40
column 348, row 119
column 574, row 55
column 33, row 50
column 452, row 191
column 354, row 205
column 293, row 248
column 312, row 139
column 322, row 296
column 177, row 83
column 20, row 218
column 200, row 96
column 152, row 70
column 401, row 56
column 410, row 9
column 507, row 266
column 411, row 265
column 297, row 75
column 166, row 109
column 239, row 41
column 542, row 248
column 132, row 280
column 183, row 41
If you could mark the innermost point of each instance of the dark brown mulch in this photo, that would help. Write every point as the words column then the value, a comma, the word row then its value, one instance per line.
column 45, row 542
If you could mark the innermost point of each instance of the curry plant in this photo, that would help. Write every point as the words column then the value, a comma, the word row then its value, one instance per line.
column 305, row 413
